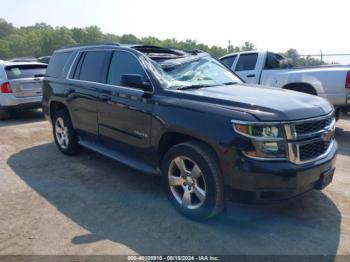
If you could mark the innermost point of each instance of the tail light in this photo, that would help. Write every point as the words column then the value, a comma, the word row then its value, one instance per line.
column 347, row 83
column 5, row 88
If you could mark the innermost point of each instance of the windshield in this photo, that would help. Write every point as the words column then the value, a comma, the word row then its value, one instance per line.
column 202, row 72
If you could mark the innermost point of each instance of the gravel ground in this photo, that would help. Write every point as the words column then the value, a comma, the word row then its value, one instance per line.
column 88, row 204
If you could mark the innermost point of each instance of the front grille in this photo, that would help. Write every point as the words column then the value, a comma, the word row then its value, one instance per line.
column 314, row 126
column 313, row 150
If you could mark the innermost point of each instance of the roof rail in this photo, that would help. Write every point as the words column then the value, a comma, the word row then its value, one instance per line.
column 91, row 44
column 174, row 50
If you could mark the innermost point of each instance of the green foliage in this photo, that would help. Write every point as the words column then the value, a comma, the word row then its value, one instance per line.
column 297, row 60
column 5, row 28
column 42, row 39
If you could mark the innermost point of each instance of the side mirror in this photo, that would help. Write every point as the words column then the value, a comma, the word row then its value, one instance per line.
column 136, row 81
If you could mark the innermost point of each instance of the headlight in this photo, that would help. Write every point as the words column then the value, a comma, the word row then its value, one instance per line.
column 267, row 140
column 259, row 131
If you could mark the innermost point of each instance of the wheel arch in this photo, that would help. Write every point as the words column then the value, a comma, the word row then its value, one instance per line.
column 57, row 105
column 172, row 138
column 301, row 87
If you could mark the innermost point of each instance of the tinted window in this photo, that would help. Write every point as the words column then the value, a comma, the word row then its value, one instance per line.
column 275, row 61
column 124, row 63
column 25, row 71
column 247, row 62
column 57, row 64
column 78, row 66
column 93, row 66
column 228, row 61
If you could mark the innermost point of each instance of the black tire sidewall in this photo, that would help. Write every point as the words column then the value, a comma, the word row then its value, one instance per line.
column 208, row 206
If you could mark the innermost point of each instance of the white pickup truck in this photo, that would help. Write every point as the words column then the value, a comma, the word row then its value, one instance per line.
column 266, row 68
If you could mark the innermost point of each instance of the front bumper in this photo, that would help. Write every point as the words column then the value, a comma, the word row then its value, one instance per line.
column 268, row 181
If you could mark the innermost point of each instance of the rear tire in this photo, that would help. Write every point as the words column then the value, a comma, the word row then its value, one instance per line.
column 193, row 180
column 4, row 114
column 65, row 136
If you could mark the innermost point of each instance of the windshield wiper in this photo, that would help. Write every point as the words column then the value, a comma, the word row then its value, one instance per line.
column 192, row 87
column 39, row 75
column 230, row 83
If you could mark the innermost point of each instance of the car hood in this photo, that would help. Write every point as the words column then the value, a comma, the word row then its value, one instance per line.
column 265, row 103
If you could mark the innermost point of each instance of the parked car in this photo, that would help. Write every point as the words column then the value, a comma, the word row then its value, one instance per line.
column 44, row 59
column 24, row 59
column 270, row 69
column 20, row 86
column 185, row 116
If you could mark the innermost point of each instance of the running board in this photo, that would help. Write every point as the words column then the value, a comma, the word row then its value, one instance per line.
column 128, row 161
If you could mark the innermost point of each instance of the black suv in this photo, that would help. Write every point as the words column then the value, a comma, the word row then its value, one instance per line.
column 185, row 116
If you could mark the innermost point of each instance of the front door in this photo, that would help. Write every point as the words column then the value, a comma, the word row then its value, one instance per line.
column 124, row 113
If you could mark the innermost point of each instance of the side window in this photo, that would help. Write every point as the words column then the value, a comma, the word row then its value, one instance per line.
column 57, row 64
column 272, row 61
column 247, row 62
column 228, row 61
column 92, row 67
column 124, row 63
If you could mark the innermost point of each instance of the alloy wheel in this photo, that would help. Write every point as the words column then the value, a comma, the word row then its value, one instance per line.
column 61, row 132
column 187, row 182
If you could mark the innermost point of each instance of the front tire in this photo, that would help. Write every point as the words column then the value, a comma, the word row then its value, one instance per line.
column 65, row 136
column 193, row 180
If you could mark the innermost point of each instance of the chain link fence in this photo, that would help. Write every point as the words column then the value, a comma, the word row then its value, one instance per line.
column 328, row 58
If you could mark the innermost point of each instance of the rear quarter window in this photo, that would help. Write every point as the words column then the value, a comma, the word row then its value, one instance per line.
column 25, row 71
column 57, row 63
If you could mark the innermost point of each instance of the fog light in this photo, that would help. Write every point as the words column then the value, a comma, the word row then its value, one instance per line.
column 270, row 147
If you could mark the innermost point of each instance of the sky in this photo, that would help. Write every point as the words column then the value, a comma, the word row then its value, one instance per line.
column 275, row 25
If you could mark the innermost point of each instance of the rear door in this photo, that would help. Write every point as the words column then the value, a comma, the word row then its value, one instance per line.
column 246, row 67
column 26, row 79
column 84, row 89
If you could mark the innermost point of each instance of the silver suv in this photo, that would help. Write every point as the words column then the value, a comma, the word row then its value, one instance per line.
column 20, row 86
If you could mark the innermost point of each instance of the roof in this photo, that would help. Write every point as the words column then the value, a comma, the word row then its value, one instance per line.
column 9, row 63
column 24, row 59
column 243, row 52
column 76, row 47
column 154, row 52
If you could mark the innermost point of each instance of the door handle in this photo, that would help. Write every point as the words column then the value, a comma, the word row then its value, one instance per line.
column 252, row 75
column 69, row 91
column 104, row 98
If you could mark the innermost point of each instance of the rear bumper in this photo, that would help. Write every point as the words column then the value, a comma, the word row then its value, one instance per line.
column 345, row 107
column 10, row 102
column 337, row 99
column 257, row 181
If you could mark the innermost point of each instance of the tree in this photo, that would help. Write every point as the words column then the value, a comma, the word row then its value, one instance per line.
column 129, row 39
column 42, row 39
column 5, row 28
column 297, row 60
column 51, row 40
column 247, row 46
